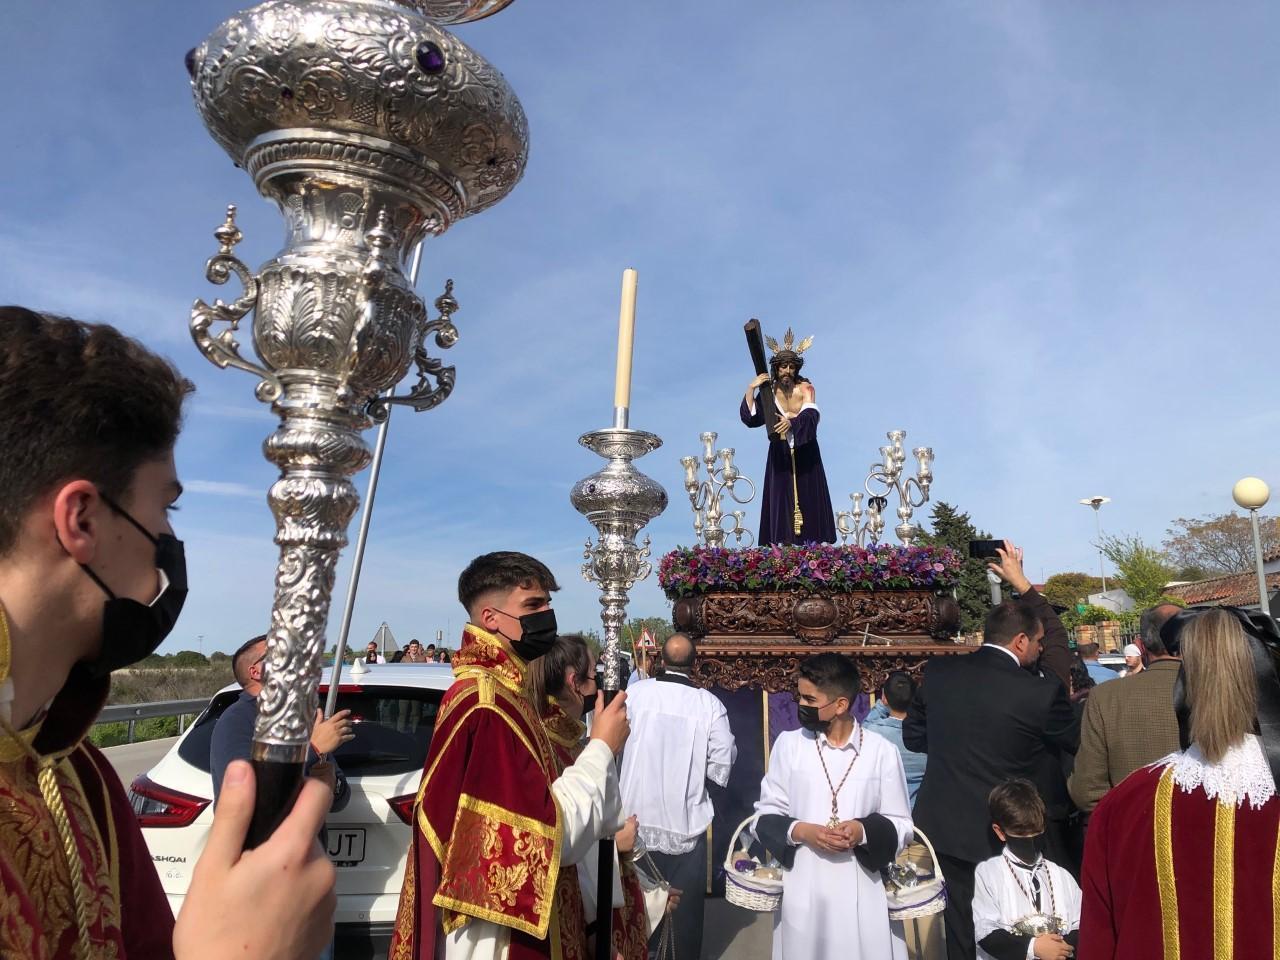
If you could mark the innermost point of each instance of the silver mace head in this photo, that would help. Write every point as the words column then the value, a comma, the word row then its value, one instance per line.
column 618, row 500
column 371, row 128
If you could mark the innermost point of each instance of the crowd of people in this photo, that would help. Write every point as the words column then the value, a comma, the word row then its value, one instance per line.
column 1072, row 813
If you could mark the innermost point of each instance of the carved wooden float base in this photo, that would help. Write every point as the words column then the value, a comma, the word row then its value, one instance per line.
column 727, row 665
column 758, row 639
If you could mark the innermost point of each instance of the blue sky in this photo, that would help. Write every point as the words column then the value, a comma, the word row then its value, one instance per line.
column 1038, row 237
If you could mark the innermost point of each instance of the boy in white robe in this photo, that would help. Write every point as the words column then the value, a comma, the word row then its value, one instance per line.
column 1014, row 892
column 833, row 809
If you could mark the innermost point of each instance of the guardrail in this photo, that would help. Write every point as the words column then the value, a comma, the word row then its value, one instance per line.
column 131, row 713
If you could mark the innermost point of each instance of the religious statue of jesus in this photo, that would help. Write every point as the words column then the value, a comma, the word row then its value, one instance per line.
column 796, row 505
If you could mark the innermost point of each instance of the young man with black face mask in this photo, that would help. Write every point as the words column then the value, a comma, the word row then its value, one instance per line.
column 833, row 809
column 494, row 824
column 1025, row 907
column 91, row 580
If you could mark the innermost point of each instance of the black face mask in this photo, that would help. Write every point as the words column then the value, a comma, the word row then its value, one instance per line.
column 537, row 634
column 1026, row 849
column 588, row 702
column 131, row 631
column 809, row 718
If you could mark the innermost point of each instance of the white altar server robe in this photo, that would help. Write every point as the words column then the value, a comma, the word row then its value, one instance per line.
column 998, row 903
column 832, row 906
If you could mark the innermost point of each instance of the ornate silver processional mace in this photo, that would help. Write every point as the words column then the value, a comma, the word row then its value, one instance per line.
column 371, row 128
column 618, row 500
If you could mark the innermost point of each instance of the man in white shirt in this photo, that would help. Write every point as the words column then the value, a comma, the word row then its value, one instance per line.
column 680, row 739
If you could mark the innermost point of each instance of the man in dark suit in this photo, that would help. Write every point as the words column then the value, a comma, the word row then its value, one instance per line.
column 985, row 718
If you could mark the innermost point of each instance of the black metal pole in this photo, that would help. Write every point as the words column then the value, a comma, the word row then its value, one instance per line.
column 604, row 885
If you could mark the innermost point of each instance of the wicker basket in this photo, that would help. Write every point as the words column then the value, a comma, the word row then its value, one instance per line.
column 740, row 887
column 925, row 898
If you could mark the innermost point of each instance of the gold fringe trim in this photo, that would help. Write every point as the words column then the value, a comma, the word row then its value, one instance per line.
column 1164, row 866
column 1224, row 880
column 1275, row 903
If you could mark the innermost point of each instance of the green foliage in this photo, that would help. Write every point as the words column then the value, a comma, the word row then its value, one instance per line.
column 1092, row 614
column 218, row 657
column 1069, row 589
column 659, row 627
column 1144, row 570
column 954, row 529
column 189, row 658
column 153, row 728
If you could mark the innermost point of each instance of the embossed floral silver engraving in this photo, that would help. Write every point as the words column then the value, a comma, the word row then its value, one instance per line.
column 372, row 128
column 618, row 500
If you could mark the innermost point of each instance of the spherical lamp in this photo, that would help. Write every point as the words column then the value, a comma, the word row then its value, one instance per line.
column 1251, row 493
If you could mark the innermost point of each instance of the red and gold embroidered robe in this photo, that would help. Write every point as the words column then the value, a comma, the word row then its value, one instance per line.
column 629, row 929
column 127, row 915
column 1175, row 875
column 487, row 840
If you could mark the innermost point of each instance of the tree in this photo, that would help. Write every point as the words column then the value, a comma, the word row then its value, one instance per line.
column 1144, row 571
column 659, row 627
column 954, row 529
column 188, row 658
column 1069, row 589
column 1219, row 543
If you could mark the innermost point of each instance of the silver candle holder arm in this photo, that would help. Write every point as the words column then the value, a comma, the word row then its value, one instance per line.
column 619, row 501
column 371, row 127
column 706, row 496
column 886, row 475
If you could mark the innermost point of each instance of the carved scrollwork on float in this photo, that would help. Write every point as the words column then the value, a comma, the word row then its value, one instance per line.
column 732, row 669
column 881, row 617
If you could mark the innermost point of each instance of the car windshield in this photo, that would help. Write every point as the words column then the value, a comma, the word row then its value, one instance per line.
column 392, row 728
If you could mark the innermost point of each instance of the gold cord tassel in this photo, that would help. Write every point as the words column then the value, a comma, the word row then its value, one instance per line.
column 797, row 518
column 47, row 778
column 49, row 789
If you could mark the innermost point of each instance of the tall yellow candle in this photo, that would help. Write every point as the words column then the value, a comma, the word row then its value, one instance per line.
column 626, row 337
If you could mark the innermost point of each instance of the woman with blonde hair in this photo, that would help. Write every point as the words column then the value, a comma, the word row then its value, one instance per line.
column 1181, row 859
column 562, row 686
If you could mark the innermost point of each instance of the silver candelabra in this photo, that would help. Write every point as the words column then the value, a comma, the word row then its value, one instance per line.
column 705, row 496
column 618, row 500
column 887, row 476
column 371, row 127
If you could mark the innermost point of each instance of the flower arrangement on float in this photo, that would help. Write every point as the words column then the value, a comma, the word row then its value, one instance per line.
column 826, row 567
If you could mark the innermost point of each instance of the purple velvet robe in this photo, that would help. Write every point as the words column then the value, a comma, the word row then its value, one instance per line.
column 778, row 501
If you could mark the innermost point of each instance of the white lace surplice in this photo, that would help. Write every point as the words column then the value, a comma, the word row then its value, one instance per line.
column 832, row 907
column 1241, row 776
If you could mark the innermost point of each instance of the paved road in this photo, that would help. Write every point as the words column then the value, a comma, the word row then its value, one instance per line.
column 731, row 933
column 131, row 759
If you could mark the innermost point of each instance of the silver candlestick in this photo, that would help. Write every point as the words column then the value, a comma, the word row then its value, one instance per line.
column 372, row 128
column 705, row 496
column 887, row 475
column 618, row 500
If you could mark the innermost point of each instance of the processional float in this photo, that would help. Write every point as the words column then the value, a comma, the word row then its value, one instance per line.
column 372, row 128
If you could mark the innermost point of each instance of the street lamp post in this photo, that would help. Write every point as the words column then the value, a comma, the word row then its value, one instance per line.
column 1253, row 494
column 1096, row 503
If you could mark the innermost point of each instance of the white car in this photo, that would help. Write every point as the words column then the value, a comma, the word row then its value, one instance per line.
column 393, row 707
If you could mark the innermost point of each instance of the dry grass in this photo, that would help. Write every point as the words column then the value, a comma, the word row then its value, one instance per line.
column 150, row 684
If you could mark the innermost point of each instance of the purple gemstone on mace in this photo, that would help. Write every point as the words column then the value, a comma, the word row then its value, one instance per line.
column 430, row 57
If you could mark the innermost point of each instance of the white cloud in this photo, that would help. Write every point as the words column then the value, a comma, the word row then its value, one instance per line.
column 223, row 488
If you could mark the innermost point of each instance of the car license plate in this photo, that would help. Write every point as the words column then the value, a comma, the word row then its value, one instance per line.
column 346, row 846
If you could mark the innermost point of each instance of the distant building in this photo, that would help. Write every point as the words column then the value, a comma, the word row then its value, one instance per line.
column 1117, row 601
column 1231, row 589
